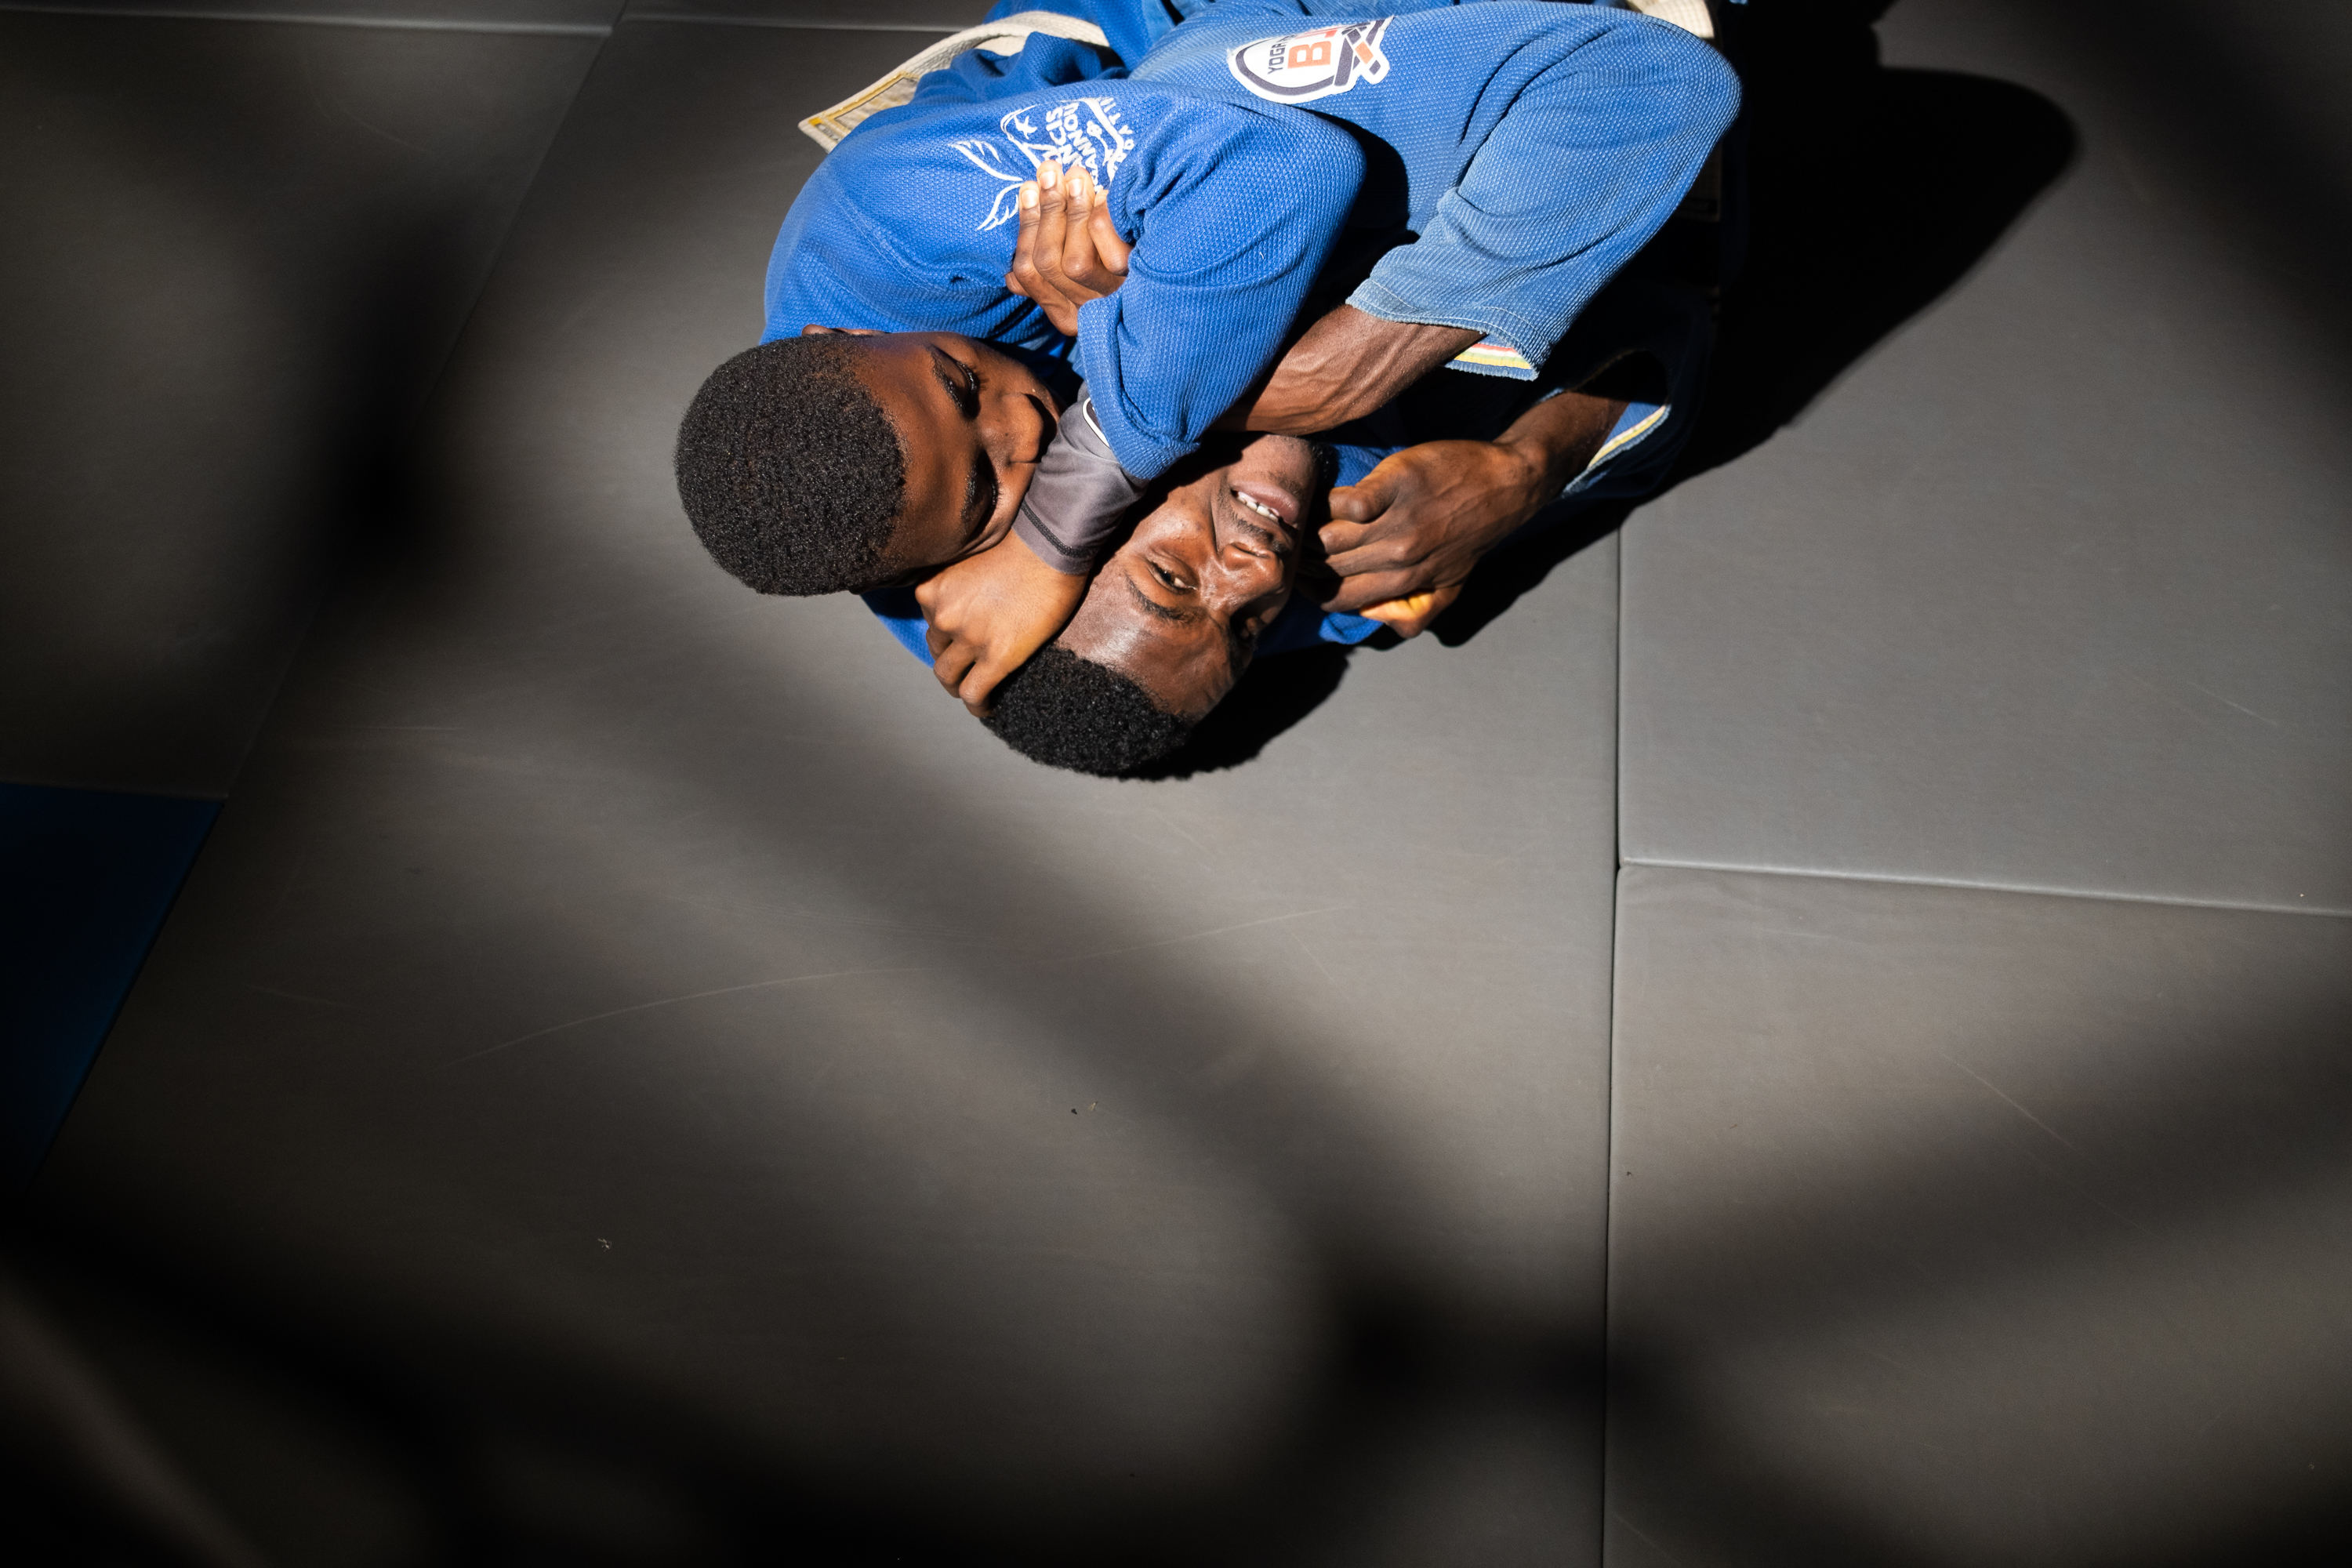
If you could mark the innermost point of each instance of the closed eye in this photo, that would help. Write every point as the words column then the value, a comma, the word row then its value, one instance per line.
column 962, row 381
column 1153, row 607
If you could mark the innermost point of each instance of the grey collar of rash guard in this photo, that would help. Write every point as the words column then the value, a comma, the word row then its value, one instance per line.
column 1080, row 495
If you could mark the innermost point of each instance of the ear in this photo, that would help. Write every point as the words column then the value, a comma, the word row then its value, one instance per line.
column 814, row 330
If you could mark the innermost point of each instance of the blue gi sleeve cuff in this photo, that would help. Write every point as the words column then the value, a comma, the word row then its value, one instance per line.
column 1509, row 347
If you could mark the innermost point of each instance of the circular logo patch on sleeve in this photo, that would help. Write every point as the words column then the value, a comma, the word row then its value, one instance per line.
column 1300, row 68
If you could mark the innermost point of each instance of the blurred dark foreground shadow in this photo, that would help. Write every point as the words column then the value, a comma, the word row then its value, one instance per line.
column 1869, row 192
column 154, row 1414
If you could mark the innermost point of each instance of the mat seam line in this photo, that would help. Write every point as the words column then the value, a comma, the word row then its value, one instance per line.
column 2019, row 888
column 1609, row 1069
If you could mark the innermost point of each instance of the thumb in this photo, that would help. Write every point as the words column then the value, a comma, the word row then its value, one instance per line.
column 1362, row 502
column 1113, row 250
column 1411, row 616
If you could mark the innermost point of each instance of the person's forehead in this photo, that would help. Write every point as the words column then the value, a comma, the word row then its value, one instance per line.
column 905, row 363
column 1179, row 664
column 909, row 381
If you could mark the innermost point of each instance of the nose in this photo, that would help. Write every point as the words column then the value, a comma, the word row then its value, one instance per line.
column 1245, row 550
column 1247, row 558
column 1245, row 575
column 1018, row 427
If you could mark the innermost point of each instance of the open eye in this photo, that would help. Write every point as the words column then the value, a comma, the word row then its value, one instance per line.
column 1167, row 578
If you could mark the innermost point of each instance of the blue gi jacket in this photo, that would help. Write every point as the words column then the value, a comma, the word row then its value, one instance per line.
column 1528, row 149
column 908, row 224
column 1537, row 146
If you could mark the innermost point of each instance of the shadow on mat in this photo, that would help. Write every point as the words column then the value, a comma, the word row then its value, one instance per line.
column 163, row 1402
column 1276, row 694
column 1870, row 193
column 171, row 1422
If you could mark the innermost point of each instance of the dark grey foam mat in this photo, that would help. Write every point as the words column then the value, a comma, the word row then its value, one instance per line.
column 2053, row 589
column 582, row 18
column 236, row 256
column 946, row 15
column 85, row 880
column 661, row 1011
column 1967, row 1228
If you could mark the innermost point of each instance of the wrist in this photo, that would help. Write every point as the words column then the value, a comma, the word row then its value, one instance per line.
column 1559, row 435
column 1531, row 481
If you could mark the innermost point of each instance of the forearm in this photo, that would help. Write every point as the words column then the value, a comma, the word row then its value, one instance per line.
column 1347, row 365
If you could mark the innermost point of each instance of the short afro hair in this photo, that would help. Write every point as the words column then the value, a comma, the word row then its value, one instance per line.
column 1071, row 712
column 790, row 473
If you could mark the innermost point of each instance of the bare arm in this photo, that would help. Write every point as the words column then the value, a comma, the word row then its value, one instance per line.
column 1347, row 365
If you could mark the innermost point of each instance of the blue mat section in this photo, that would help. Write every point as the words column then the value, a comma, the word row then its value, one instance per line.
column 85, row 880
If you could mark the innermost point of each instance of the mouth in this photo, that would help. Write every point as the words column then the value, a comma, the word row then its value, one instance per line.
column 1263, row 499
